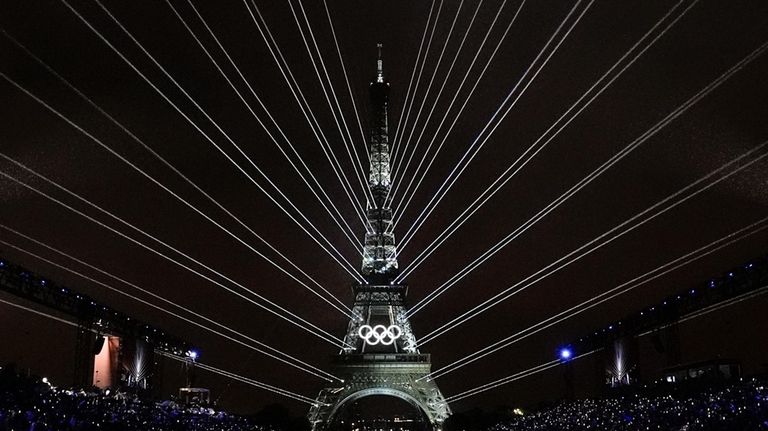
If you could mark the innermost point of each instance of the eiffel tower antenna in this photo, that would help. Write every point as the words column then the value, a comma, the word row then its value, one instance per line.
column 379, row 65
column 380, row 356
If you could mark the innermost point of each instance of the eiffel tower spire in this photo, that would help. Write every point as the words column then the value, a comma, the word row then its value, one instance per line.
column 379, row 65
column 379, row 250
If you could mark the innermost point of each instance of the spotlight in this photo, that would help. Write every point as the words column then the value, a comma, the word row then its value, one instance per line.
column 565, row 353
column 193, row 354
column 45, row 379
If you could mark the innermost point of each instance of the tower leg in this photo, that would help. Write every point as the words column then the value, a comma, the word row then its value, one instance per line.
column 84, row 354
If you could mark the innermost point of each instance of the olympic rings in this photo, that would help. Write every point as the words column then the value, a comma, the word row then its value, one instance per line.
column 380, row 334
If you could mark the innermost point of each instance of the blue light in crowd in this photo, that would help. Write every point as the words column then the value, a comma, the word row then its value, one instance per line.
column 565, row 354
column 193, row 354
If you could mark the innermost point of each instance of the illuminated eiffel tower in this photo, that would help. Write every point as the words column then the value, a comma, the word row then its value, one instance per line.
column 381, row 355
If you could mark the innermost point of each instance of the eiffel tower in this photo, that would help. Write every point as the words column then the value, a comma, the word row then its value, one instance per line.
column 380, row 355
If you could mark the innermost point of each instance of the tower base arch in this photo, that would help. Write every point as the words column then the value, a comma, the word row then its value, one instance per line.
column 398, row 375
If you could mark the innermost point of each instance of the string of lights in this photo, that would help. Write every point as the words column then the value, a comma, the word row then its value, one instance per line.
column 248, row 380
column 439, row 94
column 363, row 138
column 513, row 377
column 567, row 357
column 400, row 207
column 161, row 185
column 177, row 172
column 314, row 125
column 335, row 215
column 262, row 348
column 337, row 257
column 408, row 103
column 349, row 142
column 338, row 117
column 670, row 202
column 594, row 174
column 715, row 307
column 39, row 313
column 605, row 296
column 397, row 169
column 517, row 166
column 477, row 144
column 291, row 317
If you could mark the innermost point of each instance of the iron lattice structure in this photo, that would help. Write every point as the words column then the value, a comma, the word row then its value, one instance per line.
column 380, row 356
column 379, row 251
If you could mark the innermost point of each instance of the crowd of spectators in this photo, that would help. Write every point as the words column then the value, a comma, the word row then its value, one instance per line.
column 740, row 405
column 29, row 403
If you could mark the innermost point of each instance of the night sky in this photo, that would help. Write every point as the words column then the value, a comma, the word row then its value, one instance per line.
column 709, row 39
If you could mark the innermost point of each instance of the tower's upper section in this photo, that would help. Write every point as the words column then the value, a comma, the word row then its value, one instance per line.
column 378, row 177
column 379, row 252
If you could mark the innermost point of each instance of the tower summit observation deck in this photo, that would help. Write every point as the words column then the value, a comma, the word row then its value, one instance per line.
column 380, row 354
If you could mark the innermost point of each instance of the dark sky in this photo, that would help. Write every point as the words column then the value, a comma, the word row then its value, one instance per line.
column 712, row 37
